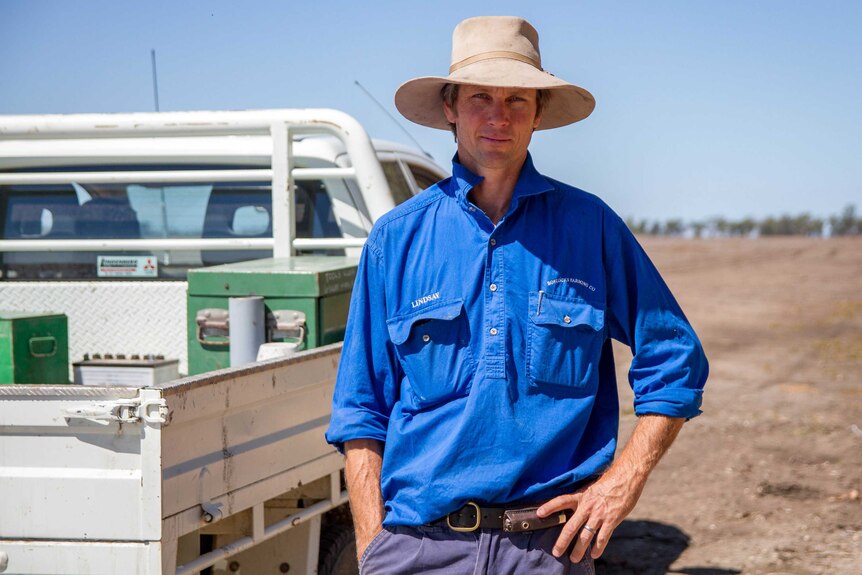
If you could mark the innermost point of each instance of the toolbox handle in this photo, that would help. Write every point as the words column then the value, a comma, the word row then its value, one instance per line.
column 213, row 322
column 286, row 324
column 42, row 339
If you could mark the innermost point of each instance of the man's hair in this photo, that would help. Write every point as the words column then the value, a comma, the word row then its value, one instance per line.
column 449, row 93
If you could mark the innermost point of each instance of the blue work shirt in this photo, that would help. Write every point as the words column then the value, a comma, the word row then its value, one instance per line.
column 480, row 354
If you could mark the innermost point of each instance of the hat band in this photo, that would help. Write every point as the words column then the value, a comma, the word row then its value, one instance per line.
column 495, row 54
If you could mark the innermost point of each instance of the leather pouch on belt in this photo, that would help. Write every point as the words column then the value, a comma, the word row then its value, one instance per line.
column 515, row 520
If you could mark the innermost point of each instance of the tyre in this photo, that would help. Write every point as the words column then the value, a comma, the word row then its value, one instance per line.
column 337, row 551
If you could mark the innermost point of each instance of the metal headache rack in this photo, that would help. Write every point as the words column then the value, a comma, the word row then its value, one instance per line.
column 282, row 126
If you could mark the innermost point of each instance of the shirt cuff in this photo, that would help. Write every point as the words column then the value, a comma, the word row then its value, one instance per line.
column 347, row 425
column 670, row 402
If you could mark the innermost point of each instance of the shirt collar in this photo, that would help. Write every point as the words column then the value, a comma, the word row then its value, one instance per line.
column 530, row 181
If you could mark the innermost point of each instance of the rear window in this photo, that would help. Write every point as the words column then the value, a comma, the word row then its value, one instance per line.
column 424, row 178
column 398, row 184
column 148, row 211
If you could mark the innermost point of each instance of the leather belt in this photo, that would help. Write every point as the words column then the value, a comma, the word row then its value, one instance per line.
column 511, row 520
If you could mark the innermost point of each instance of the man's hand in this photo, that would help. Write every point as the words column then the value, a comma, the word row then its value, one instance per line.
column 602, row 506
column 364, row 460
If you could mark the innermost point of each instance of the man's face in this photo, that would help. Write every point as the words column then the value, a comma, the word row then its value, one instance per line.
column 494, row 125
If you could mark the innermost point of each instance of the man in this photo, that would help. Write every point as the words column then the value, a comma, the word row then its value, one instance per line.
column 476, row 400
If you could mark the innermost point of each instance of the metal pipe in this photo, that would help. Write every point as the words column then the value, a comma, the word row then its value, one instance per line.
column 283, row 219
column 176, row 123
column 327, row 243
column 323, row 173
column 160, row 244
column 137, row 177
column 247, row 329
column 169, row 176
column 214, row 556
column 154, row 244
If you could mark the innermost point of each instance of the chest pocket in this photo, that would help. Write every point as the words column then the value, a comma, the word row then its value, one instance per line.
column 433, row 345
column 564, row 344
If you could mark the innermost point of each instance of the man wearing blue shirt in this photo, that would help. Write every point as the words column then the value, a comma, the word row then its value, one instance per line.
column 476, row 400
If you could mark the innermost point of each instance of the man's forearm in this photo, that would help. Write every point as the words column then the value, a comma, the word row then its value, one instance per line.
column 363, row 463
column 650, row 440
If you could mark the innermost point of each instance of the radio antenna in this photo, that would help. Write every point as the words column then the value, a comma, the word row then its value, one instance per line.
column 155, row 79
column 393, row 118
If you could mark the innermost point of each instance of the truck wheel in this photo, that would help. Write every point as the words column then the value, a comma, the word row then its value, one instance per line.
column 337, row 551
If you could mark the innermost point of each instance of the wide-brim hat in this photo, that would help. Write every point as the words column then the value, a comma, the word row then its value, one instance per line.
column 495, row 51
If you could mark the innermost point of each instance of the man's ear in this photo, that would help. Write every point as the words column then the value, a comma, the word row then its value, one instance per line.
column 451, row 114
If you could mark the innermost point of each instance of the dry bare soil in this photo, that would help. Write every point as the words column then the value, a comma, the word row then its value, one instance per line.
column 768, row 479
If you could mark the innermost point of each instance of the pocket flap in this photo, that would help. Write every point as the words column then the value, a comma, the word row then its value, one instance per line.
column 549, row 309
column 400, row 326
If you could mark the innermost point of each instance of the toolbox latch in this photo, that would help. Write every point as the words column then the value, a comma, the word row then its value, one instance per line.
column 152, row 411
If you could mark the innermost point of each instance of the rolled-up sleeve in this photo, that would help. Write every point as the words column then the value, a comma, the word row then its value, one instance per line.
column 366, row 385
column 669, row 367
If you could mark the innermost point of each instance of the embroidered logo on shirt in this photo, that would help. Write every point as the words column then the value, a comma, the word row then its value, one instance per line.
column 570, row 281
column 425, row 299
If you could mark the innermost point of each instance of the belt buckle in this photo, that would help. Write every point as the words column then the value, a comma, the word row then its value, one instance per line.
column 466, row 529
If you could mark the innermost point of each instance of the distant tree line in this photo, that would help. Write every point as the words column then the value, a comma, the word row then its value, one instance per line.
column 847, row 223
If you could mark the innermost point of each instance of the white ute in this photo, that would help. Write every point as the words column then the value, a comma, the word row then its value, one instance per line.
column 222, row 472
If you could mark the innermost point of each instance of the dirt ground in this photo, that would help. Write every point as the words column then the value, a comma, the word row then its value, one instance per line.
column 769, row 479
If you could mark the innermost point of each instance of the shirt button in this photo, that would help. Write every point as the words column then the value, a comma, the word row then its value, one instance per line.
column 426, row 338
column 492, row 287
column 493, row 331
column 493, row 242
column 472, row 209
column 567, row 319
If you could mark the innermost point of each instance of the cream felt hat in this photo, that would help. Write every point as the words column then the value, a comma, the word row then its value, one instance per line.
column 498, row 51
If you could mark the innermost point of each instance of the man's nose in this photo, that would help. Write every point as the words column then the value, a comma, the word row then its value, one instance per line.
column 498, row 113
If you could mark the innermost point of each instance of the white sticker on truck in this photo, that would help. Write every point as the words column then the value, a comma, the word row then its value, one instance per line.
column 128, row 266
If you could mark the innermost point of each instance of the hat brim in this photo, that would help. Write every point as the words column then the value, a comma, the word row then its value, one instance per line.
column 419, row 100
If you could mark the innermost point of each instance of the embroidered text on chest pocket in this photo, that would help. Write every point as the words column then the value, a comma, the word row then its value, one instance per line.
column 433, row 346
column 564, row 343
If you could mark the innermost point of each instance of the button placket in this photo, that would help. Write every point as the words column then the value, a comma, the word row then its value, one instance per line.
column 495, row 317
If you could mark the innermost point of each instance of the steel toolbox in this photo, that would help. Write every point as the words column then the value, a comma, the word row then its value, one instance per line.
column 34, row 348
column 306, row 299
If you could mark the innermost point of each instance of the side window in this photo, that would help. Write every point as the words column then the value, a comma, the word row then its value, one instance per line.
column 397, row 182
column 424, row 178
column 315, row 217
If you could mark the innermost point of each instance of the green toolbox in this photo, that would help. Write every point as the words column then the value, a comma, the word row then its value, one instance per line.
column 305, row 298
column 34, row 347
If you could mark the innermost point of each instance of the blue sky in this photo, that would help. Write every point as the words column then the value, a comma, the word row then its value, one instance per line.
column 705, row 108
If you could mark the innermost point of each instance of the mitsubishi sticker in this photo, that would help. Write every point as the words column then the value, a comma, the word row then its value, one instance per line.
column 128, row 267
